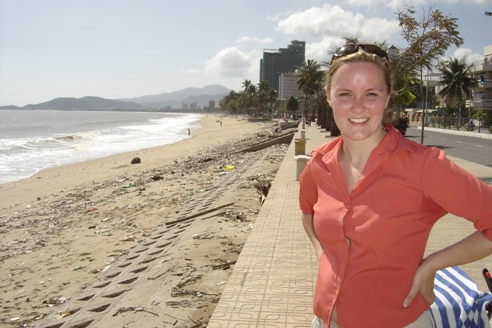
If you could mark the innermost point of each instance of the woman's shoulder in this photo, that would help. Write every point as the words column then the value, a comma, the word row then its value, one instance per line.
column 416, row 151
column 327, row 147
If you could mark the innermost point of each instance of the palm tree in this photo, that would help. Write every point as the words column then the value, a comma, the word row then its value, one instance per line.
column 246, row 85
column 247, row 100
column 455, row 77
column 479, row 115
column 311, row 81
column 252, row 97
column 264, row 95
column 272, row 101
column 229, row 102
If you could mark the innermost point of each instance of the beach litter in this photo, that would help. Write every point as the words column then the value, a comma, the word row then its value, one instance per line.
column 122, row 200
column 133, row 308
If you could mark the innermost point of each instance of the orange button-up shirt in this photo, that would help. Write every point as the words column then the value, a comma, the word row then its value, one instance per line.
column 404, row 189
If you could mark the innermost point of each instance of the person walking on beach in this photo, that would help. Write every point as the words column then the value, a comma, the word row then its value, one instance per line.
column 369, row 199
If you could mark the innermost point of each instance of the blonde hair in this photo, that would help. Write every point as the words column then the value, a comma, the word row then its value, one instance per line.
column 363, row 56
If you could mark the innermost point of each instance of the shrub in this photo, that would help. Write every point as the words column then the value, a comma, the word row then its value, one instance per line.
column 401, row 124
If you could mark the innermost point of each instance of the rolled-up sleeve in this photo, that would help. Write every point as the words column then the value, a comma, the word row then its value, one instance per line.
column 308, row 192
column 457, row 191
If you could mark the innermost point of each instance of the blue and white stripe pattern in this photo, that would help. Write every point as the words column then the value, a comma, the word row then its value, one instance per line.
column 459, row 303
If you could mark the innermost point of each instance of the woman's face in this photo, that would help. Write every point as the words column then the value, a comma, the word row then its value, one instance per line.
column 358, row 95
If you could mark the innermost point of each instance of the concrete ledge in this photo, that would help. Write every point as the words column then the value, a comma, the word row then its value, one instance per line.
column 301, row 161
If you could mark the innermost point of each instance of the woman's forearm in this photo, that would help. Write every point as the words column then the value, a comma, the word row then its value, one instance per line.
column 472, row 248
column 307, row 223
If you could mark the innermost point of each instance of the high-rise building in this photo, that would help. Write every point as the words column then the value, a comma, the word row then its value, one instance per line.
column 283, row 60
column 288, row 85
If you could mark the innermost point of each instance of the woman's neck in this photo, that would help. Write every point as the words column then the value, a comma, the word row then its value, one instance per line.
column 354, row 155
column 357, row 152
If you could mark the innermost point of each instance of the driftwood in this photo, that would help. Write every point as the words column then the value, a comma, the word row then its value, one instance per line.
column 184, row 303
column 286, row 138
column 133, row 308
column 177, row 292
column 289, row 125
column 189, row 281
column 223, row 265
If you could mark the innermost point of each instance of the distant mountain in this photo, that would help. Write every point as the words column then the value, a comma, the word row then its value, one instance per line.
column 175, row 100
column 184, row 95
column 201, row 101
column 85, row 103
column 10, row 107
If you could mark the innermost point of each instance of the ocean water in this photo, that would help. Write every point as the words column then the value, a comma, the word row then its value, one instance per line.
column 33, row 140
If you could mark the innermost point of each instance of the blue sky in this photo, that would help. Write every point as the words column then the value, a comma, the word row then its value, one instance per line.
column 124, row 49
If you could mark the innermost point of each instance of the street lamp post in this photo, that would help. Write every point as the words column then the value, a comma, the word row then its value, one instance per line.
column 424, row 105
column 471, row 97
column 459, row 116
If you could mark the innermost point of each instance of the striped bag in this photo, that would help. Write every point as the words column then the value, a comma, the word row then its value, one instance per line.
column 459, row 303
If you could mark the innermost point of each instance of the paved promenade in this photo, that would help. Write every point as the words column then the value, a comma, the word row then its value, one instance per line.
column 273, row 280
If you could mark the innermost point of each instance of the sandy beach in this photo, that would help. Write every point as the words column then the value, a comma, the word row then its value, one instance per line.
column 65, row 229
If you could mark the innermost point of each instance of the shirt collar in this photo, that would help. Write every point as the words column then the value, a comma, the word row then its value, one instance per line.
column 385, row 148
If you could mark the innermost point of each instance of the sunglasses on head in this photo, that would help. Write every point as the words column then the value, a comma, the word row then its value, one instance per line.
column 353, row 48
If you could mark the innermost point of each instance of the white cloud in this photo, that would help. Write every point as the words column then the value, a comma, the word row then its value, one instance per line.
column 332, row 20
column 247, row 39
column 471, row 58
column 193, row 71
column 275, row 18
column 231, row 62
column 319, row 51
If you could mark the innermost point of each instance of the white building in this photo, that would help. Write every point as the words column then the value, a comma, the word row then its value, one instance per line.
column 288, row 85
column 482, row 94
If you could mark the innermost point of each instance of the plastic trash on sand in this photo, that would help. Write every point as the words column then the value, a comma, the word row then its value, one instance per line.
column 229, row 167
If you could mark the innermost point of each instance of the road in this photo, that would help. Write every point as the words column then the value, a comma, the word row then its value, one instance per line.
column 472, row 149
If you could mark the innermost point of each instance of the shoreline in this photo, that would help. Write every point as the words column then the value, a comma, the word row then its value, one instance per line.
column 75, row 158
column 119, row 162
column 85, row 136
column 64, row 227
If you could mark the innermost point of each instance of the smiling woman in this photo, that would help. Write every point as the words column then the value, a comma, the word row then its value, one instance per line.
column 370, row 196
column 359, row 96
